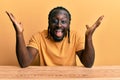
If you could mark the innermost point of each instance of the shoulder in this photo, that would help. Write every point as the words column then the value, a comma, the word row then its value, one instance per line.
column 40, row 33
column 75, row 33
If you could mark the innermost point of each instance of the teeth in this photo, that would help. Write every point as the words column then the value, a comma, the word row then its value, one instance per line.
column 59, row 30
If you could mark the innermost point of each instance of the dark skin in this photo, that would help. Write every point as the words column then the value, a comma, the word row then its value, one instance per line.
column 87, row 55
column 26, row 55
column 59, row 23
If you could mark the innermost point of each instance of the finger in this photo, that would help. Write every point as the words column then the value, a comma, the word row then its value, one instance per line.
column 98, row 22
column 87, row 26
column 12, row 15
column 7, row 13
column 9, row 16
column 100, row 18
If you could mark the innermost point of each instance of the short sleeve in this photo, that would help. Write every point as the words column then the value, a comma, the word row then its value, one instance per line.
column 33, row 42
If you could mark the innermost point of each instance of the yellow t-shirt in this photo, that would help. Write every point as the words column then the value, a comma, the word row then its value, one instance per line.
column 57, row 53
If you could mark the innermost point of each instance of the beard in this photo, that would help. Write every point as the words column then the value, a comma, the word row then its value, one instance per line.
column 58, row 34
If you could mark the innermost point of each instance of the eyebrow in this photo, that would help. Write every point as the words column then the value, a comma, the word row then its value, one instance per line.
column 65, row 18
column 61, row 12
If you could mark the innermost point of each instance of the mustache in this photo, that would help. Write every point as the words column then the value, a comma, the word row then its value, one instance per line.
column 55, row 29
column 64, row 30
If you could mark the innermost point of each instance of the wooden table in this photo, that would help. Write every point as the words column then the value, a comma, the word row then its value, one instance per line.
column 60, row 73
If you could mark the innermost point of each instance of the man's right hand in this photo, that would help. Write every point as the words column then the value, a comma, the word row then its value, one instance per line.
column 18, row 26
column 24, row 54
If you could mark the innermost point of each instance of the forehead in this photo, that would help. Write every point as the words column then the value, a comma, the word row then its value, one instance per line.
column 60, row 12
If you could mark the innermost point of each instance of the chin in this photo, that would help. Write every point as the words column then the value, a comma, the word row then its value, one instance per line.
column 58, row 39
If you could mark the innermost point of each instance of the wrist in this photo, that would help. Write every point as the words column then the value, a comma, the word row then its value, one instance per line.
column 88, row 37
column 19, row 34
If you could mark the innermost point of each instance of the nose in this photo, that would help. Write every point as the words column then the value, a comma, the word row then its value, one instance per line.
column 59, row 24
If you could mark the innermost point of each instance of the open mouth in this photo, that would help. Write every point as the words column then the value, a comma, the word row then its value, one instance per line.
column 59, row 33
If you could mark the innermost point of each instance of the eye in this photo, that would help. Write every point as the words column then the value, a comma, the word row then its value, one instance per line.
column 54, row 21
column 63, row 22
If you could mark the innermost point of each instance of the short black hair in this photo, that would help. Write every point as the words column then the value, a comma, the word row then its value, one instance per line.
column 52, row 13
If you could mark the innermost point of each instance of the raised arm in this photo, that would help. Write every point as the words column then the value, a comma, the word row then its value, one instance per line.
column 88, row 54
column 25, row 55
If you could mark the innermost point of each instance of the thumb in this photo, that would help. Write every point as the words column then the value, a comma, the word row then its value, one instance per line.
column 87, row 26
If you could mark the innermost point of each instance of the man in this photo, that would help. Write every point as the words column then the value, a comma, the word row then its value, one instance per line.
column 58, row 45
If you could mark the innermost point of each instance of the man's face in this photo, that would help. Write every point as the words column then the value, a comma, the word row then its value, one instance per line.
column 59, row 25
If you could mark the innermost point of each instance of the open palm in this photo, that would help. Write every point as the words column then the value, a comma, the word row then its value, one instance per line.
column 18, row 27
column 91, row 29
